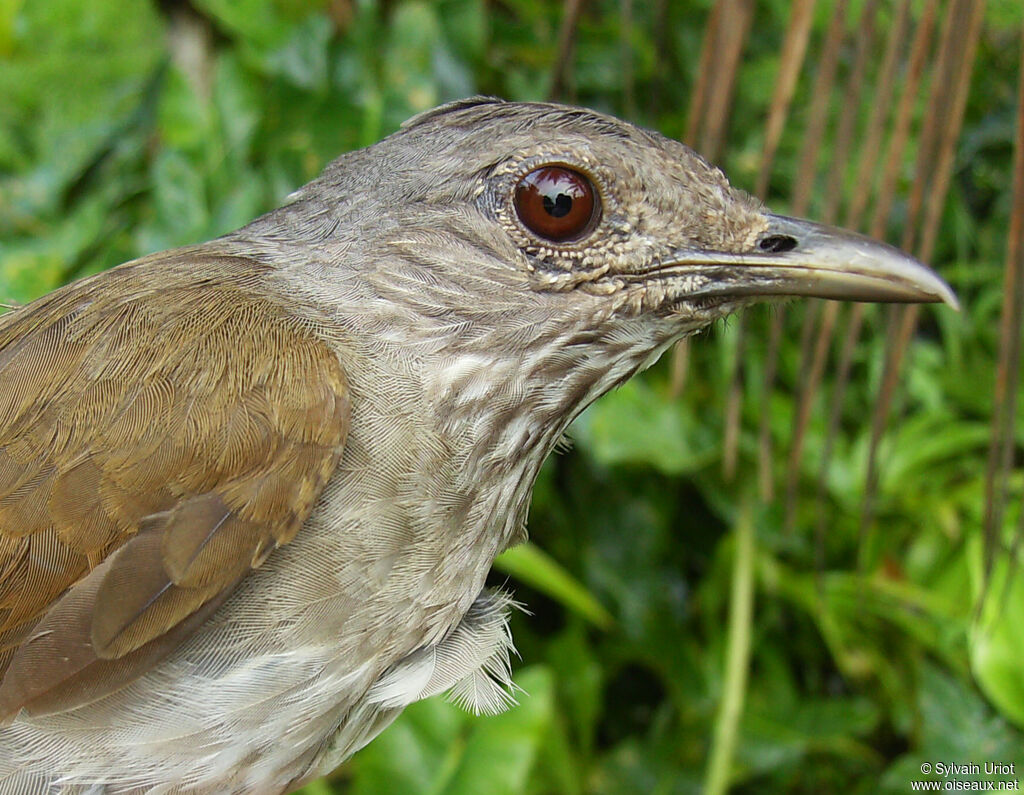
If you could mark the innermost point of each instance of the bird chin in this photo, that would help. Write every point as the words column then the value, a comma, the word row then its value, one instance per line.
column 685, row 301
column 702, row 311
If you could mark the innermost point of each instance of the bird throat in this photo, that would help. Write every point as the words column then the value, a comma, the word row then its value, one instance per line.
column 508, row 412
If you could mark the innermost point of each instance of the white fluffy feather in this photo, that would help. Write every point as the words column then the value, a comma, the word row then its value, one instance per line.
column 472, row 662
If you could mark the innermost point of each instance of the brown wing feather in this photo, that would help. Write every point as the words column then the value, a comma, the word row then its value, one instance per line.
column 155, row 445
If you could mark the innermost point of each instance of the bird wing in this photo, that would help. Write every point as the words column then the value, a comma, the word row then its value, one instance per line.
column 160, row 435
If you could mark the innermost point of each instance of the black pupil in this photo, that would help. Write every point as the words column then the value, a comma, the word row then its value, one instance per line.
column 560, row 206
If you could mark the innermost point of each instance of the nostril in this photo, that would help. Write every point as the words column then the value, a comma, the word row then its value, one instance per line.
column 777, row 244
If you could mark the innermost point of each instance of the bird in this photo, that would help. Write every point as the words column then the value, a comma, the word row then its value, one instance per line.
column 251, row 489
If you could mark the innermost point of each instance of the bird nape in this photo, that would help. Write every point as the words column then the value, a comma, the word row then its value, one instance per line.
column 250, row 489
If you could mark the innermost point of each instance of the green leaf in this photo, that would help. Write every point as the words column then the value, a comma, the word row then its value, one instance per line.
column 776, row 735
column 180, row 202
column 318, row 787
column 183, row 117
column 581, row 689
column 636, row 425
column 955, row 725
column 26, row 274
column 408, row 66
column 411, row 755
column 302, row 58
column 996, row 639
column 434, row 748
column 501, row 750
column 72, row 75
column 923, row 442
column 261, row 24
column 534, row 567
column 236, row 97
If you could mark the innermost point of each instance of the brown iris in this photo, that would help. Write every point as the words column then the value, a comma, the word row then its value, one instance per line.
column 557, row 203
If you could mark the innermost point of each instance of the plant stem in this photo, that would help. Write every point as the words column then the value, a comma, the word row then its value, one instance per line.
column 737, row 660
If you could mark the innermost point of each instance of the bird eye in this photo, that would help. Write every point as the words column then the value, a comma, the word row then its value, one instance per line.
column 557, row 203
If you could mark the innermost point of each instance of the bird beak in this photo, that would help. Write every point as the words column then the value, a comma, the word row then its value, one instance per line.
column 794, row 257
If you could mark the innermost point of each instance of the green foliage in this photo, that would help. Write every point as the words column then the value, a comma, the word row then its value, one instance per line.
column 997, row 646
column 530, row 565
column 437, row 749
column 127, row 128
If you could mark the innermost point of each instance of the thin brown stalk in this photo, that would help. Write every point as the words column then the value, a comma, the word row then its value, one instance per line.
column 821, row 93
column 848, row 115
column 626, row 48
column 661, row 28
column 766, row 456
column 868, row 161
column 890, row 371
column 854, row 323
column 561, row 77
column 705, row 74
column 724, row 40
column 890, row 174
column 805, row 178
column 809, row 335
column 879, row 115
column 1001, row 444
column 968, row 23
column 935, row 119
column 679, row 368
column 794, row 50
column 943, row 123
column 191, row 46
column 695, row 115
column 733, row 404
column 904, row 115
column 814, row 357
column 736, row 20
column 794, row 53
column 802, row 413
column 766, row 483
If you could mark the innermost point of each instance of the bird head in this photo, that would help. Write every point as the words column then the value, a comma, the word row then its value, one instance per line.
column 490, row 199
column 531, row 256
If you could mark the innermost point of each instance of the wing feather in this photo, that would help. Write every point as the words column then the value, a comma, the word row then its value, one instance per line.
column 156, row 444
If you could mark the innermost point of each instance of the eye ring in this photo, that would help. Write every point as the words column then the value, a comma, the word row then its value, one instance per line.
column 557, row 203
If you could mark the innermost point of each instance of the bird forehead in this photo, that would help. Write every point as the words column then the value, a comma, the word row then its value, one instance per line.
column 483, row 132
column 460, row 150
column 500, row 117
column 654, row 195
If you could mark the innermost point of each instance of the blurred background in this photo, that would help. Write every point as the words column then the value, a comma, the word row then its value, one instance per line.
column 783, row 560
